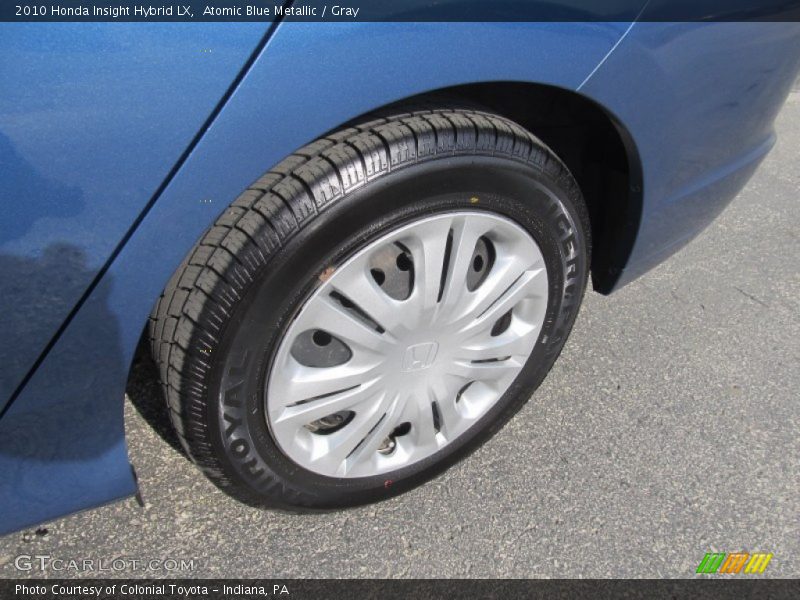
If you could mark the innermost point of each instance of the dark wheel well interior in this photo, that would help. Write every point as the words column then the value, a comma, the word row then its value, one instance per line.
column 594, row 145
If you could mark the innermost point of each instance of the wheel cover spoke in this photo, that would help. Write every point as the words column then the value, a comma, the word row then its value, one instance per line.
column 399, row 378
column 333, row 318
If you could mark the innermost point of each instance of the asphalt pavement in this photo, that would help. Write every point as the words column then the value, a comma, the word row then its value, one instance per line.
column 667, row 429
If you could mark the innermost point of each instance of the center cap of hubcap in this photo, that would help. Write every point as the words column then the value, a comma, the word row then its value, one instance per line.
column 420, row 356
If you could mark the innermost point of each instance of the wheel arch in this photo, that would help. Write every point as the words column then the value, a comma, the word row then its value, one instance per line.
column 593, row 143
column 595, row 146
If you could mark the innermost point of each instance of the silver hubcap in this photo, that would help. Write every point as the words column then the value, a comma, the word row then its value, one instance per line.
column 407, row 344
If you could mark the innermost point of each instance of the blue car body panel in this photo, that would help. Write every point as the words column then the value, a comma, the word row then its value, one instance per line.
column 92, row 118
column 699, row 127
column 699, row 99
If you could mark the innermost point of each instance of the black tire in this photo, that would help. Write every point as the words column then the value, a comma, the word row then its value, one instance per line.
column 265, row 253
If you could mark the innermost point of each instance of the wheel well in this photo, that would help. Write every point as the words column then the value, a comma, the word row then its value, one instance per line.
column 595, row 147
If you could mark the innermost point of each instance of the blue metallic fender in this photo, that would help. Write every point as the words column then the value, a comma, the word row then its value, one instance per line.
column 62, row 445
column 700, row 101
column 92, row 119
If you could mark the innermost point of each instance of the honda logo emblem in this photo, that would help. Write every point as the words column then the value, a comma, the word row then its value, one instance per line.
column 420, row 356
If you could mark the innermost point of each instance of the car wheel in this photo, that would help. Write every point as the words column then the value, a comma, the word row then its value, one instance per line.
column 373, row 308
